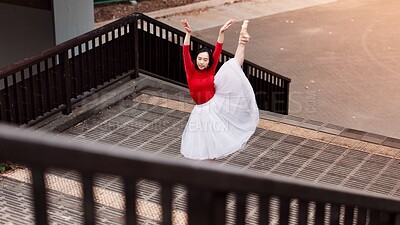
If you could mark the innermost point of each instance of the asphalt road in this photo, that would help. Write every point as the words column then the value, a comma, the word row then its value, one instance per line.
column 342, row 56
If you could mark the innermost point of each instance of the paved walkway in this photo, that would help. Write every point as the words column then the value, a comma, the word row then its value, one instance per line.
column 342, row 56
column 209, row 14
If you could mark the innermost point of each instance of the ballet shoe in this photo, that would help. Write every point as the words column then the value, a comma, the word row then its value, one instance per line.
column 244, row 37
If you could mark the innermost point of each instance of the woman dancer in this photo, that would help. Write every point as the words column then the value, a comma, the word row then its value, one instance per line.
column 226, row 113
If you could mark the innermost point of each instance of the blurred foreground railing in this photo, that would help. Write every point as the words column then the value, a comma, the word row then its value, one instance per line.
column 295, row 201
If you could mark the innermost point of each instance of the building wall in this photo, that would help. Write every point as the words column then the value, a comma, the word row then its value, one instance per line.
column 24, row 32
column 27, row 31
column 72, row 18
column 38, row 4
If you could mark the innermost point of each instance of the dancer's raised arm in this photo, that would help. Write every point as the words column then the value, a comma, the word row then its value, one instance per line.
column 223, row 29
column 189, row 67
column 244, row 37
column 185, row 24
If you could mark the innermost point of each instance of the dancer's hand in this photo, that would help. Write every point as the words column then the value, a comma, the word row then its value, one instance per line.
column 186, row 26
column 244, row 40
column 226, row 25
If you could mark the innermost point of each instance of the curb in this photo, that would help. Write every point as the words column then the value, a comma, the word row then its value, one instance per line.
column 100, row 100
column 164, row 13
column 89, row 106
column 188, row 8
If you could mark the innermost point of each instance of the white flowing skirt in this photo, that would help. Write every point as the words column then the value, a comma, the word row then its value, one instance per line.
column 225, row 123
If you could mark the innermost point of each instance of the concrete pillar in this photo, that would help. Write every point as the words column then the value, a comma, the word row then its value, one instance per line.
column 72, row 18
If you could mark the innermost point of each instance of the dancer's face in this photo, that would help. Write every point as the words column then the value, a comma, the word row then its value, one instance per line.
column 202, row 60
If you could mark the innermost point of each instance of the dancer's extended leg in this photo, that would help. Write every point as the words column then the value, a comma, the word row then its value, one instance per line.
column 244, row 37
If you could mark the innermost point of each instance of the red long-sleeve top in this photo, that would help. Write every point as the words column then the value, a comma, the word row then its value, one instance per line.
column 201, row 83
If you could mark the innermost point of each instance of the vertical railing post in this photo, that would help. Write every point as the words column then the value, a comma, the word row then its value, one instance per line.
column 67, row 82
column 3, row 107
column 206, row 206
column 240, row 208
column 17, row 99
column 130, row 202
column 7, row 103
column 395, row 219
column 39, row 196
column 287, row 97
column 88, row 200
column 136, row 47
column 166, row 199
column 199, row 206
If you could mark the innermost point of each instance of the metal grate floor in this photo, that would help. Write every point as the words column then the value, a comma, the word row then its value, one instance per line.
column 155, row 125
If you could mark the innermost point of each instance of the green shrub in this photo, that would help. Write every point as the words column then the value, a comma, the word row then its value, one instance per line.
column 6, row 167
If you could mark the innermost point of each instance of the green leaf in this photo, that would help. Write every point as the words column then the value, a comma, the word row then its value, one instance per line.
column 3, row 167
column 6, row 166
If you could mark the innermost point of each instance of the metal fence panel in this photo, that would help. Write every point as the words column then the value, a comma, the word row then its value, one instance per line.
column 59, row 77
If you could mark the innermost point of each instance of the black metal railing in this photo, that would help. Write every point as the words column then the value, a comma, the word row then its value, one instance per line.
column 55, row 79
column 207, row 185
column 59, row 77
